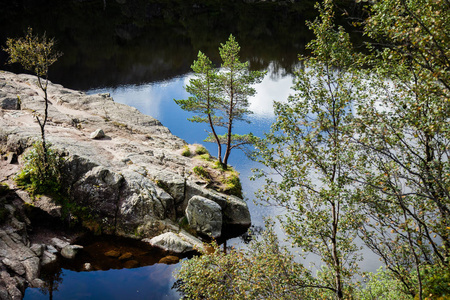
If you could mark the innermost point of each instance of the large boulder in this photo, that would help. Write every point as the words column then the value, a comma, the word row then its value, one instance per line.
column 142, row 203
column 181, row 242
column 97, row 195
column 235, row 211
column 205, row 216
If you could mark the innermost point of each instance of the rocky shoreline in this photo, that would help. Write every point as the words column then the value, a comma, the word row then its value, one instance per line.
column 124, row 171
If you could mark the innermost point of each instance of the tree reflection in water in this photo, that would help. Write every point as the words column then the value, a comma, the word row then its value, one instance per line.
column 52, row 275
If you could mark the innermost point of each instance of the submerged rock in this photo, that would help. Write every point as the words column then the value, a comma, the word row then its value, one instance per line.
column 169, row 260
column 126, row 256
column 131, row 264
column 112, row 253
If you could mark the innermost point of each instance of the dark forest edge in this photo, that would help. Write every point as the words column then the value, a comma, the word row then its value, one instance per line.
column 107, row 46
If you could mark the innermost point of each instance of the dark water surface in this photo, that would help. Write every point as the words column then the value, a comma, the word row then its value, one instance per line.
column 135, row 274
column 140, row 51
column 114, row 43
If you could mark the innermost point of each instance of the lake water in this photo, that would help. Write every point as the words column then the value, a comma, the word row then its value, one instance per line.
column 140, row 51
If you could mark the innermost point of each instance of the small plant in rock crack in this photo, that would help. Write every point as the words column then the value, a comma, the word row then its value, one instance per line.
column 39, row 176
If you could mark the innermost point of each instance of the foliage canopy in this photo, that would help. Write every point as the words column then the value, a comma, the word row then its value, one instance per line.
column 363, row 149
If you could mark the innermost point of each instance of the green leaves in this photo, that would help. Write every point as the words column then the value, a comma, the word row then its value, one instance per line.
column 362, row 149
column 41, row 176
column 309, row 148
column 265, row 271
column 34, row 53
column 229, row 52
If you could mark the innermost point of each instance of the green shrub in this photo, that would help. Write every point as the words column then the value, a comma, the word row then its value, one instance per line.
column 186, row 151
column 382, row 285
column 201, row 150
column 39, row 177
column 218, row 165
column 206, row 157
column 436, row 281
column 201, row 172
column 233, row 186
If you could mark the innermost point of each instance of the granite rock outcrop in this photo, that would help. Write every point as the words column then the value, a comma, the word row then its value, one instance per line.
column 130, row 180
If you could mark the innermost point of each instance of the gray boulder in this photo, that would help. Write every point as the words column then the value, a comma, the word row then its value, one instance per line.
column 98, row 134
column 181, row 242
column 38, row 249
column 235, row 211
column 48, row 258
column 59, row 244
column 205, row 216
column 142, row 202
column 70, row 251
column 98, row 191
column 14, row 265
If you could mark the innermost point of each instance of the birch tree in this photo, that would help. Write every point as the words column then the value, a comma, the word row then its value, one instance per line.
column 36, row 54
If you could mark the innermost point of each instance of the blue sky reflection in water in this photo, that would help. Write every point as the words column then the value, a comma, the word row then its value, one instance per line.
column 150, row 282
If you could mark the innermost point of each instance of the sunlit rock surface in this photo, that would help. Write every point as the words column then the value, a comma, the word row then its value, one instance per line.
column 131, row 182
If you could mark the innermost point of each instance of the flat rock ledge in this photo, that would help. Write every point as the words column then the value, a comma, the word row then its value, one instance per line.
column 124, row 172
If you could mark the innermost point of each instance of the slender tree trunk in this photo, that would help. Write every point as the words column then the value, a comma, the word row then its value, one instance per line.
column 334, row 205
column 230, row 123
column 44, row 122
column 219, row 145
column 336, row 260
